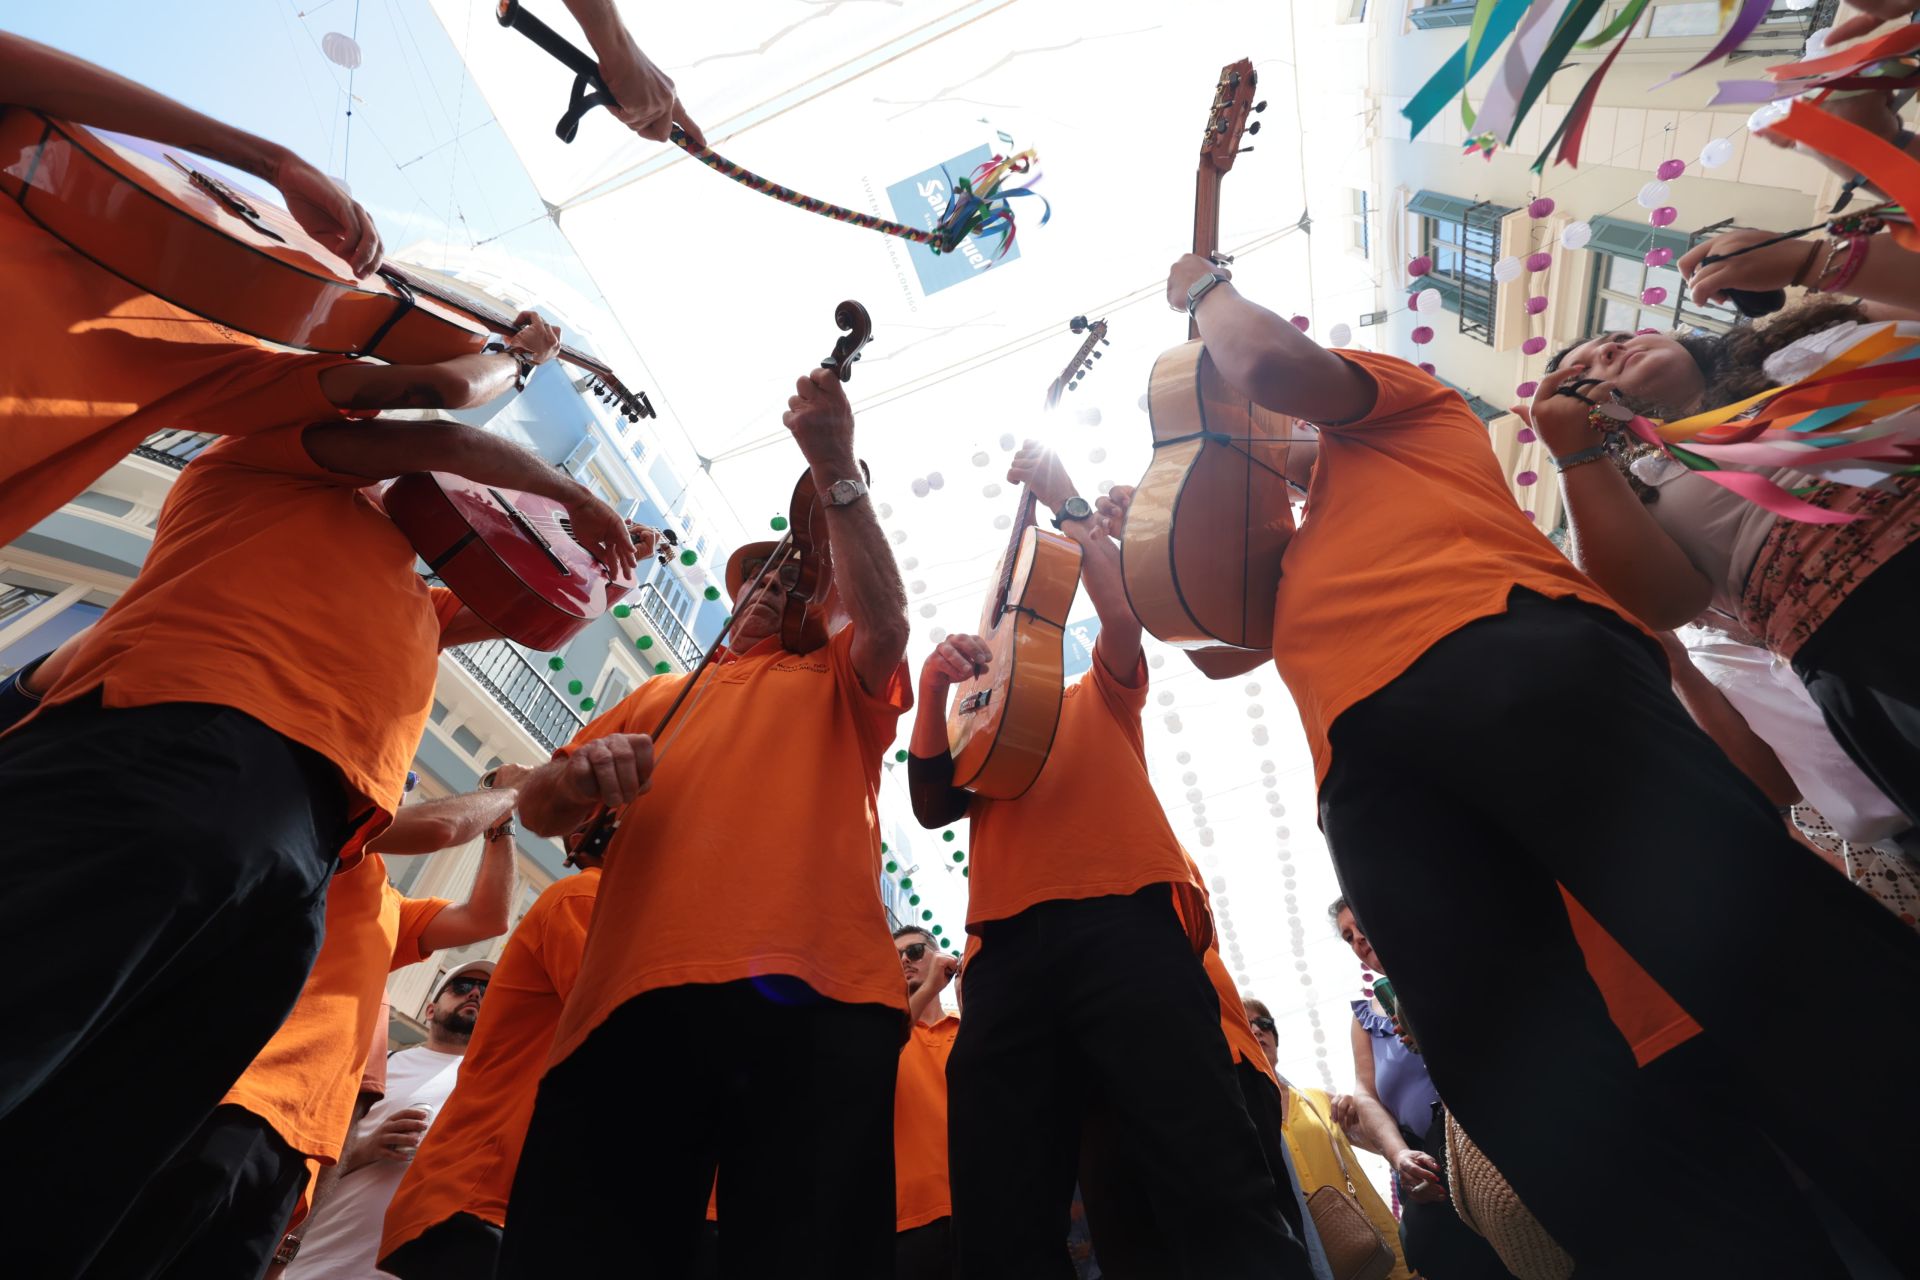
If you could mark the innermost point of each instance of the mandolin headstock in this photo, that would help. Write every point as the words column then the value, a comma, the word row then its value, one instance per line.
column 604, row 385
column 1082, row 363
column 1227, row 119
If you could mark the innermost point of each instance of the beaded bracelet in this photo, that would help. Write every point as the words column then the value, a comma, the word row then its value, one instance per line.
column 1850, row 266
column 1579, row 459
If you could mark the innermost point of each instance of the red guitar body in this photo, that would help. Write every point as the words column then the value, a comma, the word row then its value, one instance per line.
column 508, row 556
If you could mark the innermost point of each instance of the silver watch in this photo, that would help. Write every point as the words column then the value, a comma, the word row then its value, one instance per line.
column 842, row 493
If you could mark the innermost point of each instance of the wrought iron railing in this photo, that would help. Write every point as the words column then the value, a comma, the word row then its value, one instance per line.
column 174, row 448
column 679, row 640
column 522, row 689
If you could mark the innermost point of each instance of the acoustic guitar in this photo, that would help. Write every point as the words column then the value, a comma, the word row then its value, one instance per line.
column 1210, row 519
column 1001, row 725
column 511, row 557
column 185, row 235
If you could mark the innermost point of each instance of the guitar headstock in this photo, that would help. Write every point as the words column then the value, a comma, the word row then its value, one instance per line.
column 1082, row 363
column 604, row 385
column 1227, row 119
column 858, row 332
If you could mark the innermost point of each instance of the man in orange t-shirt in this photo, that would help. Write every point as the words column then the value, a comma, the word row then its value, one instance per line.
column 212, row 752
column 446, row 1219
column 221, row 1204
column 1093, row 924
column 1486, row 722
column 922, row 1203
column 740, row 905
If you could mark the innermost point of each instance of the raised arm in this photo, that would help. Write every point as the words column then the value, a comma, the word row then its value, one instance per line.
column 433, row 825
column 1118, row 646
column 864, row 572
column 487, row 910
column 936, row 801
column 647, row 102
column 459, row 383
column 34, row 75
column 1378, row 1131
column 1276, row 365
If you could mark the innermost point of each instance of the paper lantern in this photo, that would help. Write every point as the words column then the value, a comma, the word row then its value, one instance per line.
column 1006, row 440
column 1536, row 304
column 1422, row 336
column 937, row 634
column 1663, row 216
column 1003, row 521
column 1658, row 257
column 1670, row 169
column 1526, row 478
column 1540, row 208
column 1653, row 195
column 981, row 458
column 910, row 563
column 1097, row 455
column 1301, row 323
column 990, row 491
column 927, row 610
column 341, row 49
column 1427, row 367
column 1576, row 235
column 1526, row 389
column 1534, row 346
column 1538, row 262
column 1525, row 435
column 921, row 488
column 1716, row 153
column 1420, row 266
column 935, row 480
column 1653, row 296
column 1428, row 301
column 1768, row 115
column 1507, row 269
column 1340, row 335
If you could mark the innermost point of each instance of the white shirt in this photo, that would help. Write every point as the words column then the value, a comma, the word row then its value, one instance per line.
column 342, row 1240
column 1778, row 707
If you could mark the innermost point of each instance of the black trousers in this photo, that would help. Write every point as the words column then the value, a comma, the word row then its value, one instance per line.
column 1100, row 1005
column 1433, row 1239
column 789, row 1094
column 461, row 1248
column 162, row 883
column 1863, row 668
column 925, row 1252
column 216, row 1212
column 1545, row 744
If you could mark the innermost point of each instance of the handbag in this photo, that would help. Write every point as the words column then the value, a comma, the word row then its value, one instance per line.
column 1354, row 1247
column 1488, row 1204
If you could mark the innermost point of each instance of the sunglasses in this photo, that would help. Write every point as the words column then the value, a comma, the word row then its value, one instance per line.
column 1263, row 1024
column 914, row 951
column 462, row 986
column 788, row 575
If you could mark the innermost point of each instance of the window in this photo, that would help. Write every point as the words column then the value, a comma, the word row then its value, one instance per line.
column 1463, row 240
column 1443, row 13
column 1360, row 235
column 1621, row 276
column 615, row 687
column 678, row 598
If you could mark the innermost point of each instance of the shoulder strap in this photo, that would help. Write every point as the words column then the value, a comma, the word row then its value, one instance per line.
column 1333, row 1136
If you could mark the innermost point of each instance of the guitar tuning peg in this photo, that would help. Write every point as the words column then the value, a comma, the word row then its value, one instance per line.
column 1243, row 149
column 1097, row 355
column 1260, row 105
column 1254, row 127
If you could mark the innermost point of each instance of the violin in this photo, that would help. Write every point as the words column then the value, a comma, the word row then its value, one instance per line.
column 803, row 545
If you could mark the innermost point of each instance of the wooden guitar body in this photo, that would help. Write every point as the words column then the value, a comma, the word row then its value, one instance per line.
column 1002, row 722
column 508, row 555
column 1210, row 518
column 186, row 236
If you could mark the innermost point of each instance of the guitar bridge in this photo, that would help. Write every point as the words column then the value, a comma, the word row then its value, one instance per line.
column 538, row 539
column 228, row 197
column 975, row 701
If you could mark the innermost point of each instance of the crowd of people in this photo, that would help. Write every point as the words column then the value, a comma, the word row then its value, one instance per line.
column 1610, row 986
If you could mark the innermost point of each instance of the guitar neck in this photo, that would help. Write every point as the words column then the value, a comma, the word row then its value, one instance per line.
column 488, row 316
column 1023, row 516
column 1206, row 222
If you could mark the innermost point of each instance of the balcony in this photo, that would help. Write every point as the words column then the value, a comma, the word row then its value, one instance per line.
column 1443, row 13
column 522, row 689
column 680, row 641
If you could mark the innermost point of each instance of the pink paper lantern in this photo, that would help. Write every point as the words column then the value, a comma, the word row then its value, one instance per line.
column 1525, row 435
column 1526, row 389
column 1427, row 368
column 1536, row 304
column 1653, row 297
column 1663, row 216
column 1658, row 257
column 1537, row 262
column 1534, row 346
column 1540, row 208
column 1529, row 515
column 1422, row 336
column 1670, row 169
column 1420, row 266
column 1300, row 323
column 1526, row 479
column 1638, row 332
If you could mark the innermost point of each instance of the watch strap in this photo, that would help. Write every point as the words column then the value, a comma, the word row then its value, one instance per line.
column 1201, row 287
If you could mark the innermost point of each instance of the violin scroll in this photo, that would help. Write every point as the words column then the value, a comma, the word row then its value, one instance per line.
column 858, row 332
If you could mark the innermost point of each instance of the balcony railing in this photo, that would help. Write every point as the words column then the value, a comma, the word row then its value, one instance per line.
column 671, row 629
column 174, row 448
column 522, row 689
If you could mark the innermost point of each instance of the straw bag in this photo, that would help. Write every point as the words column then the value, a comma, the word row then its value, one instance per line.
column 1487, row 1203
column 1354, row 1247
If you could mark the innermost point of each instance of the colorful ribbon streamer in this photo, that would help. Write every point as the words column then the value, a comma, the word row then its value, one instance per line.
column 1453, row 74
column 1886, row 166
column 1752, row 14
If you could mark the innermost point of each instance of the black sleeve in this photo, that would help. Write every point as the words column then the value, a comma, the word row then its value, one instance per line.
column 936, row 801
column 16, row 703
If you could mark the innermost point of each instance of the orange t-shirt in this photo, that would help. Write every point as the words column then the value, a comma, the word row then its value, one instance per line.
column 757, row 851
column 345, row 665
column 305, row 1081
column 466, row 1163
column 94, row 366
column 1090, row 825
column 1411, row 533
column 1646, row 1015
column 920, row 1192
column 1233, row 1017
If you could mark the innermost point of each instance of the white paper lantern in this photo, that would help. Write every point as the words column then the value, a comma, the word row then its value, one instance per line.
column 1098, row 455
column 1003, row 521
column 1266, row 766
column 1507, row 270
column 1653, row 195
column 937, row 635
column 1006, row 441
column 1256, row 711
column 921, row 487
column 1259, row 735
column 1282, row 832
column 1768, row 116
column 1206, row 836
column 1088, row 417
column 1716, row 153
column 1189, row 778
column 1158, row 661
column 1185, row 757
column 1428, row 301
column 1252, row 689
column 1280, row 811
column 935, row 480
column 886, row 511
column 1576, row 235
column 919, row 587
column 898, row 536
column 910, row 563
column 1193, row 794
column 1165, row 698
column 343, row 49
column 1340, row 335
column 1143, row 402
column 927, row 611
column 990, row 491
column 980, row 458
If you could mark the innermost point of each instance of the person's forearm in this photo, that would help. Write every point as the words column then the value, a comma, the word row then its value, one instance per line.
column 930, row 720
column 936, row 801
column 1890, row 275
column 599, row 22
column 433, row 825
column 379, row 452
column 927, row 993
column 1729, row 729
column 864, row 571
column 1277, row 366
column 1617, row 543
column 1378, row 1126
column 490, row 900
column 545, row 808
column 1119, row 640
column 459, row 383
column 35, row 75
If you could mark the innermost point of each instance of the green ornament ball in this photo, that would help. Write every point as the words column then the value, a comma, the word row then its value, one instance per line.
column 883, row 846
column 900, row 755
column 947, row 836
column 959, row 855
column 689, row 556
column 914, row 901
column 936, row 931
column 574, row 686
column 622, row 610
column 966, row 873
column 643, row 642
column 586, row 704
column 892, row 867
column 777, row 524
column 556, row 662
column 906, row 882
column 661, row 667
column 712, row 592
column 926, row 915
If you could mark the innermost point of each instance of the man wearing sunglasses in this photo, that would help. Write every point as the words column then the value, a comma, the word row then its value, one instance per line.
column 923, row 1206
column 1085, row 863
column 744, row 884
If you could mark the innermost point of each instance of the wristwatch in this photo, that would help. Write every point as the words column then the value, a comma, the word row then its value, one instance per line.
column 842, row 493
column 1074, row 508
column 1198, row 289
